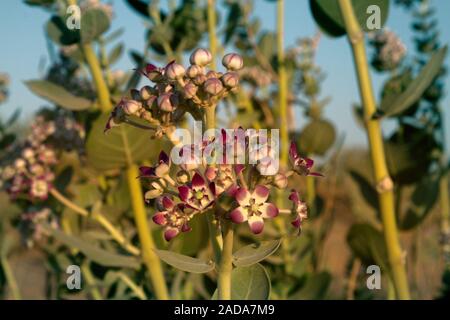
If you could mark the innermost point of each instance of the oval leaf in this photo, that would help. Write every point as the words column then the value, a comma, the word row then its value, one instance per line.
column 58, row 95
column 94, row 22
column 254, row 253
column 317, row 137
column 119, row 147
column 393, row 106
column 92, row 252
column 185, row 263
column 249, row 283
column 327, row 14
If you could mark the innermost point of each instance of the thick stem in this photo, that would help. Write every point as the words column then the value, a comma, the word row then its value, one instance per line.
column 283, row 85
column 97, row 76
column 226, row 260
column 10, row 279
column 149, row 257
column 373, row 127
column 311, row 195
column 213, row 227
column 212, row 31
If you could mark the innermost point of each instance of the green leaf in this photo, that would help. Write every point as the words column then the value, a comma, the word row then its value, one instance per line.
column 367, row 190
column 92, row 252
column 59, row 33
column 423, row 200
column 58, row 95
column 317, row 137
column 115, row 54
column 367, row 243
column 392, row 106
column 255, row 253
column 249, row 283
column 94, row 22
column 185, row 263
column 327, row 14
column 119, row 147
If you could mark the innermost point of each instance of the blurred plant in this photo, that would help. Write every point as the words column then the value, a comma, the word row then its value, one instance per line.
column 4, row 83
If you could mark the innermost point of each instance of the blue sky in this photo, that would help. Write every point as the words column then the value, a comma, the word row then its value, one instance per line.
column 23, row 53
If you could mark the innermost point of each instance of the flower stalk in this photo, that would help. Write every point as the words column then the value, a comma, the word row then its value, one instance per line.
column 211, row 12
column 148, row 255
column 226, row 263
column 383, row 181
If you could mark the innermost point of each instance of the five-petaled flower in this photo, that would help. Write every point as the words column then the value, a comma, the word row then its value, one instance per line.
column 197, row 195
column 301, row 165
column 253, row 208
column 174, row 218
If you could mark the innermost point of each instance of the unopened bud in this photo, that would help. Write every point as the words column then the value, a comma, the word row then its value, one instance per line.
column 199, row 79
column 175, row 71
column 161, row 170
column 152, row 194
column 230, row 79
column 165, row 103
column 212, row 74
column 233, row 61
column 200, row 57
column 131, row 107
column 213, row 86
column 182, row 177
column 190, row 90
column 194, row 71
column 146, row 92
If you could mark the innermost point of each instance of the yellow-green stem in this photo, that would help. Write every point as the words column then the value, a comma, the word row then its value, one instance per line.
column 149, row 257
column 284, row 134
column 10, row 279
column 226, row 263
column 213, row 228
column 90, row 280
column 373, row 127
column 212, row 31
column 311, row 194
column 283, row 85
column 96, row 72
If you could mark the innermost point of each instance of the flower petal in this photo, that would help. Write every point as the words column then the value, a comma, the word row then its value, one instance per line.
column 170, row 233
column 293, row 153
column 167, row 203
column 243, row 197
column 297, row 223
column 159, row 218
column 316, row 174
column 184, row 192
column 239, row 215
column 256, row 224
column 309, row 162
column 164, row 158
column 294, row 197
column 260, row 194
column 186, row 228
column 268, row 210
column 197, row 181
column 147, row 172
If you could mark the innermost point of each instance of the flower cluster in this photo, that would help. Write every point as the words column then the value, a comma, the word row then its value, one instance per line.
column 27, row 171
column 178, row 90
column 389, row 50
column 238, row 192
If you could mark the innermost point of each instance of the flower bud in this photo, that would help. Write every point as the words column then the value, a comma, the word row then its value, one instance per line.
column 182, row 177
column 212, row 74
column 194, row 71
column 20, row 164
column 280, row 181
column 146, row 92
column 190, row 90
column 131, row 107
column 152, row 194
column 230, row 79
column 199, row 79
column 175, row 71
column 165, row 102
column 200, row 57
column 28, row 153
column 213, row 86
column 162, row 169
column 233, row 61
